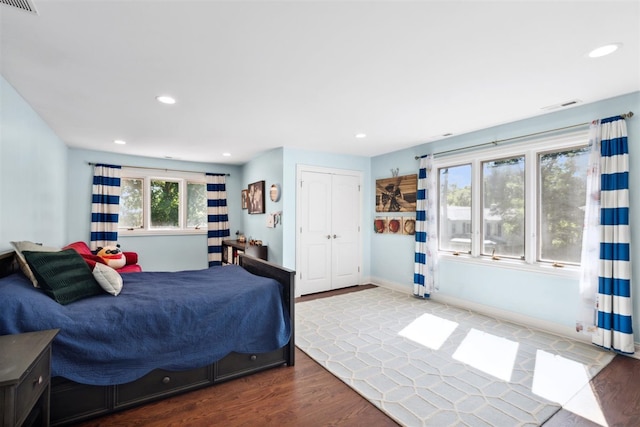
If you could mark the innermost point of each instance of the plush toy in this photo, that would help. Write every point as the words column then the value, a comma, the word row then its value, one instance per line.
column 112, row 256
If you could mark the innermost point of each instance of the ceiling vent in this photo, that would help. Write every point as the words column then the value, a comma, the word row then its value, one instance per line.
column 562, row 105
column 26, row 5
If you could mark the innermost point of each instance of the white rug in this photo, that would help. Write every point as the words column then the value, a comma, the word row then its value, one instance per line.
column 429, row 364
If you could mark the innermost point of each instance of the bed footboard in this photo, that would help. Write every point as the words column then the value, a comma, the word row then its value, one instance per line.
column 287, row 278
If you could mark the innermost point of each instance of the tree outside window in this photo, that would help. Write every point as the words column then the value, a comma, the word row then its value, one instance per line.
column 563, row 177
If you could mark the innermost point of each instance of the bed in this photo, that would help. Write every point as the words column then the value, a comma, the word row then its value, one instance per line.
column 164, row 334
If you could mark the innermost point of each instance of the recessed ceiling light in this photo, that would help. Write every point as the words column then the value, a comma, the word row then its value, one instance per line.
column 119, row 141
column 166, row 99
column 604, row 50
column 226, row 154
column 361, row 135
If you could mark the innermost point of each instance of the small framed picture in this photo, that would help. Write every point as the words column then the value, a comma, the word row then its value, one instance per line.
column 244, row 199
column 256, row 198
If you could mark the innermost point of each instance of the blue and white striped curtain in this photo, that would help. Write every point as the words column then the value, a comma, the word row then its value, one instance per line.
column 426, row 256
column 614, row 303
column 105, row 205
column 217, row 217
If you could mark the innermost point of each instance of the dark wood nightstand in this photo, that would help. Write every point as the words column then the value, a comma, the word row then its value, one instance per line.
column 25, row 373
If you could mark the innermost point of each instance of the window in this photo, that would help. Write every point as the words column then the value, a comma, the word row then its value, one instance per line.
column 520, row 203
column 563, row 177
column 455, row 208
column 196, row 204
column 160, row 202
column 503, row 207
column 165, row 204
column 131, row 197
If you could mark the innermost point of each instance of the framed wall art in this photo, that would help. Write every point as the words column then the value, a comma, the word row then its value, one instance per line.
column 256, row 198
column 397, row 194
column 244, row 199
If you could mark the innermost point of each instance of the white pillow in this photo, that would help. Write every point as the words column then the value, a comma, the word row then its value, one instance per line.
column 33, row 247
column 108, row 278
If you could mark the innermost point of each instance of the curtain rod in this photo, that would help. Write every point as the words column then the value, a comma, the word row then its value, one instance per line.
column 158, row 169
column 496, row 142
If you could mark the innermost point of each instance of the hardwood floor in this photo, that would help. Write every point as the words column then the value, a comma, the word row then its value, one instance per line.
column 304, row 395
column 308, row 395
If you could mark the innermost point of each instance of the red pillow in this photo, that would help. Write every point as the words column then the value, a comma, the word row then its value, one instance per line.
column 90, row 258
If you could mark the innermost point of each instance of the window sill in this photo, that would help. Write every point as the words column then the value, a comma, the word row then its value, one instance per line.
column 140, row 233
column 569, row 271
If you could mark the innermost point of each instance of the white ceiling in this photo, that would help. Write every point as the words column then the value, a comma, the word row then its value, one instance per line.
column 252, row 76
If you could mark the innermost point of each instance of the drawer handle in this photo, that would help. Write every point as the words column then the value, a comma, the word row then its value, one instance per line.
column 38, row 381
column 253, row 357
column 166, row 380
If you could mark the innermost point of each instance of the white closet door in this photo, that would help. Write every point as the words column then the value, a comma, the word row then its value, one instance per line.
column 329, row 231
column 345, row 235
column 315, row 232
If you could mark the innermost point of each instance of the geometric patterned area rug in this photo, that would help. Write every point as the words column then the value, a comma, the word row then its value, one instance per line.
column 426, row 363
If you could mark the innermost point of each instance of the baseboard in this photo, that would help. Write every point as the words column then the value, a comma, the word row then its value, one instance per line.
column 532, row 322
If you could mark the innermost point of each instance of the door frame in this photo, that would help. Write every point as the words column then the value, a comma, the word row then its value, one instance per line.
column 334, row 171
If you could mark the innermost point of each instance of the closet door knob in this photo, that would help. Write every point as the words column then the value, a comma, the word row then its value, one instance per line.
column 328, row 236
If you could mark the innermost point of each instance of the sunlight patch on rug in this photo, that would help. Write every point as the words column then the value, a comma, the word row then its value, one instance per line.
column 429, row 331
column 549, row 367
column 586, row 404
column 429, row 364
column 573, row 392
column 489, row 353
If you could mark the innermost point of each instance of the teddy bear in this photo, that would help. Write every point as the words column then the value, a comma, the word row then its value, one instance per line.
column 112, row 256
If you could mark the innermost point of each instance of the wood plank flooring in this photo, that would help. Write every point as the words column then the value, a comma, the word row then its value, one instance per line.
column 303, row 395
column 308, row 395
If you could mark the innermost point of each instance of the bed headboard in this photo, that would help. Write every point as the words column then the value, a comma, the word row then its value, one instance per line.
column 8, row 263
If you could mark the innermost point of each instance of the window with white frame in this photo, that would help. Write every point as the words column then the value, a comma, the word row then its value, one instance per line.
column 521, row 202
column 162, row 202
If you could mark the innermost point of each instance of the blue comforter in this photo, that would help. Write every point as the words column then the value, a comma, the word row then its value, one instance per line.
column 169, row 320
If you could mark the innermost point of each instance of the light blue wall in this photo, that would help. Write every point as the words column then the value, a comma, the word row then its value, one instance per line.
column 392, row 255
column 267, row 167
column 295, row 157
column 156, row 253
column 33, row 171
column 546, row 297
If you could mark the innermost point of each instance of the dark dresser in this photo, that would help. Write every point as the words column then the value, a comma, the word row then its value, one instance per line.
column 25, row 374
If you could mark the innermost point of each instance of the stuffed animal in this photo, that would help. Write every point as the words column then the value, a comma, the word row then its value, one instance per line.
column 112, row 256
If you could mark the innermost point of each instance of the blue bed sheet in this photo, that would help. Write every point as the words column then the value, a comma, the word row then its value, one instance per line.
column 169, row 320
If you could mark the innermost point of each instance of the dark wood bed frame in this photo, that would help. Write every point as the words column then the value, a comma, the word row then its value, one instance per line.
column 72, row 402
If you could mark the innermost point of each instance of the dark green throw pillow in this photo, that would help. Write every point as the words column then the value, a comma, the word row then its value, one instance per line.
column 64, row 275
